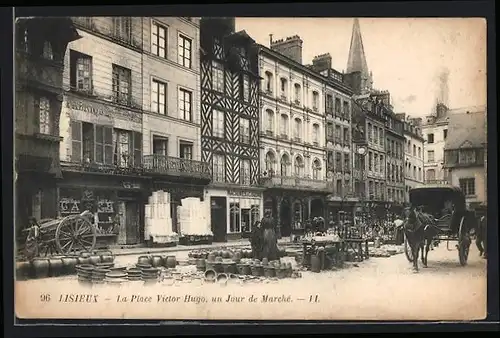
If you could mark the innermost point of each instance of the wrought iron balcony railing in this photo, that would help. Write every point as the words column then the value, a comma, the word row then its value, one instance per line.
column 297, row 183
column 174, row 166
column 125, row 166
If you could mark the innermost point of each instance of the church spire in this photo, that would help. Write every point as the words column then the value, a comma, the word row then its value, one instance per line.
column 357, row 59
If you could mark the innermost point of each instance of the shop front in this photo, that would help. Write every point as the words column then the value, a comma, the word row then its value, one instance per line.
column 233, row 212
column 294, row 211
column 117, row 203
column 342, row 210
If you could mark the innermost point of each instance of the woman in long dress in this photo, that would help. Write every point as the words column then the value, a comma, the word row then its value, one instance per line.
column 270, row 241
column 256, row 240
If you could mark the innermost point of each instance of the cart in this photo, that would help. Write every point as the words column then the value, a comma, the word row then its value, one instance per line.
column 455, row 226
column 69, row 235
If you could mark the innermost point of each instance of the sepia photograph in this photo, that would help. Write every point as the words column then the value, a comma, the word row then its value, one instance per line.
column 250, row 168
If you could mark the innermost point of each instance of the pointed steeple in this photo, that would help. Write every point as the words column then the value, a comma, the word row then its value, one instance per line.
column 357, row 59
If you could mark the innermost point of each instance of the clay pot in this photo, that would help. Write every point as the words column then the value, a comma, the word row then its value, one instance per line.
column 211, row 257
column 218, row 267
column 107, row 257
column 237, row 257
column 218, row 259
column 269, row 271
column 265, row 261
column 170, row 262
column 157, row 261
column 226, row 254
column 200, row 264
column 229, row 267
column 23, row 270
column 94, row 259
column 222, row 278
column 144, row 260
column 85, row 254
column 243, row 269
column 40, row 267
column 143, row 265
column 69, row 264
column 209, row 265
column 55, row 266
column 83, row 260
column 257, row 270
column 210, row 276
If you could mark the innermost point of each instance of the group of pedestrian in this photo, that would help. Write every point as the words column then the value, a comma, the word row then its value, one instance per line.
column 263, row 239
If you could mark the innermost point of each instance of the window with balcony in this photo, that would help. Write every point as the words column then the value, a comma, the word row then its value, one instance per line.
column 430, row 138
column 316, row 134
column 159, row 97
column 245, row 88
column 315, row 100
column 244, row 130
column 88, row 145
column 186, row 104
column 104, row 144
column 316, row 169
column 430, row 156
column 269, row 82
column 160, row 145
column 270, row 122
column 299, row 166
column 47, row 52
column 158, row 40
column 128, row 148
column 122, row 81
column 285, row 165
column 80, row 72
column 284, row 126
column 297, row 130
column 185, row 46
column 283, row 88
column 430, row 175
column 186, row 150
column 468, row 186
column 218, row 76
column 270, row 161
column 93, row 143
column 245, row 172
column 44, row 116
column 219, row 168
column 370, row 161
column 122, row 28
column 218, row 123
column 297, row 93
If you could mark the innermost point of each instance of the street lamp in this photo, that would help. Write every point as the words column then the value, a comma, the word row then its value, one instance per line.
column 361, row 151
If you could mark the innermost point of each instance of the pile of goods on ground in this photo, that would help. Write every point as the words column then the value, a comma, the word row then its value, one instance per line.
column 158, row 229
column 194, row 216
column 56, row 266
column 386, row 250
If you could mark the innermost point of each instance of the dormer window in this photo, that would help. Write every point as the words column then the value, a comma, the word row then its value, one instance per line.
column 47, row 51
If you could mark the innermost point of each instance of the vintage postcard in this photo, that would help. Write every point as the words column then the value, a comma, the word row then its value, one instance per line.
column 250, row 168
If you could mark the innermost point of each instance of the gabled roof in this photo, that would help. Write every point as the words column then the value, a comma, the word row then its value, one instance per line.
column 466, row 130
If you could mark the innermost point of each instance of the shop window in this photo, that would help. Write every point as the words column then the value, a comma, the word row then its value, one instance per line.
column 186, row 150
column 234, row 218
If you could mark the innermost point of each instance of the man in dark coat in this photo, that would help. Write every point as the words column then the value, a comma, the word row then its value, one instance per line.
column 270, row 241
column 256, row 240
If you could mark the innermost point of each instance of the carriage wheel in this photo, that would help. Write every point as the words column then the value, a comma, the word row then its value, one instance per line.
column 463, row 243
column 75, row 234
column 408, row 252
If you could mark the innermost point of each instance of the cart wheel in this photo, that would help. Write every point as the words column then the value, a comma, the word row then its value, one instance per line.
column 463, row 243
column 75, row 233
column 408, row 252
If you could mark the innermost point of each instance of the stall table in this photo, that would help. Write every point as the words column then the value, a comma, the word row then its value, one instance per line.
column 358, row 245
column 333, row 248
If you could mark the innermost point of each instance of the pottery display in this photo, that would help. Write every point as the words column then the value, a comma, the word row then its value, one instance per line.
column 94, row 259
column 83, row 259
column 170, row 262
column 211, row 257
column 107, row 257
column 40, row 267
column 222, row 278
column 143, row 266
column 210, row 276
column 269, row 271
column 145, row 260
column 69, row 264
column 200, row 264
column 23, row 270
column 257, row 270
column 157, row 261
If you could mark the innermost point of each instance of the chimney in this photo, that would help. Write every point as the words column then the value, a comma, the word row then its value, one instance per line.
column 270, row 39
column 441, row 110
column 290, row 47
column 322, row 62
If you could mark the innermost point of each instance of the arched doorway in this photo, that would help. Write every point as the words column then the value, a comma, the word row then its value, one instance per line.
column 285, row 217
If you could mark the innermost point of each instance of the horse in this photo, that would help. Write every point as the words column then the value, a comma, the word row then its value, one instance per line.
column 420, row 232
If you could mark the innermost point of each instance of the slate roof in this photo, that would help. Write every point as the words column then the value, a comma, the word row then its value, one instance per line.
column 466, row 130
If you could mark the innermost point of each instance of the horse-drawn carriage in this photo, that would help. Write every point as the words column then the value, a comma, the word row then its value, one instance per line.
column 68, row 235
column 442, row 214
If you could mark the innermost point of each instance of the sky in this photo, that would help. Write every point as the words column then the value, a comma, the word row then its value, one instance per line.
column 407, row 56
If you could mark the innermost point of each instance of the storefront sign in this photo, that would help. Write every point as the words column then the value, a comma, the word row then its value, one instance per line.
column 243, row 193
column 108, row 111
column 69, row 206
column 105, row 206
column 131, row 185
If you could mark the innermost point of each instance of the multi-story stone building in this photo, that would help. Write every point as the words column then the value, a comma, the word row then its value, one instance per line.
column 129, row 120
column 435, row 132
column 293, row 138
column 39, row 53
column 413, row 149
column 230, row 126
column 464, row 154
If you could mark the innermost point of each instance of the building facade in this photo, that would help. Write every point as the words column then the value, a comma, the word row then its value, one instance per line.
column 464, row 154
column 413, row 149
column 435, row 132
column 129, row 120
column 293, row 136
column 230, row 127
column 39, row 54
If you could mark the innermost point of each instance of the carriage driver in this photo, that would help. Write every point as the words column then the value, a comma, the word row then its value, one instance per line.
column 448, row 208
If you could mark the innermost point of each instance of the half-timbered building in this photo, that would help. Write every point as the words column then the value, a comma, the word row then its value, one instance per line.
column 40, row 48
column 230, row 126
